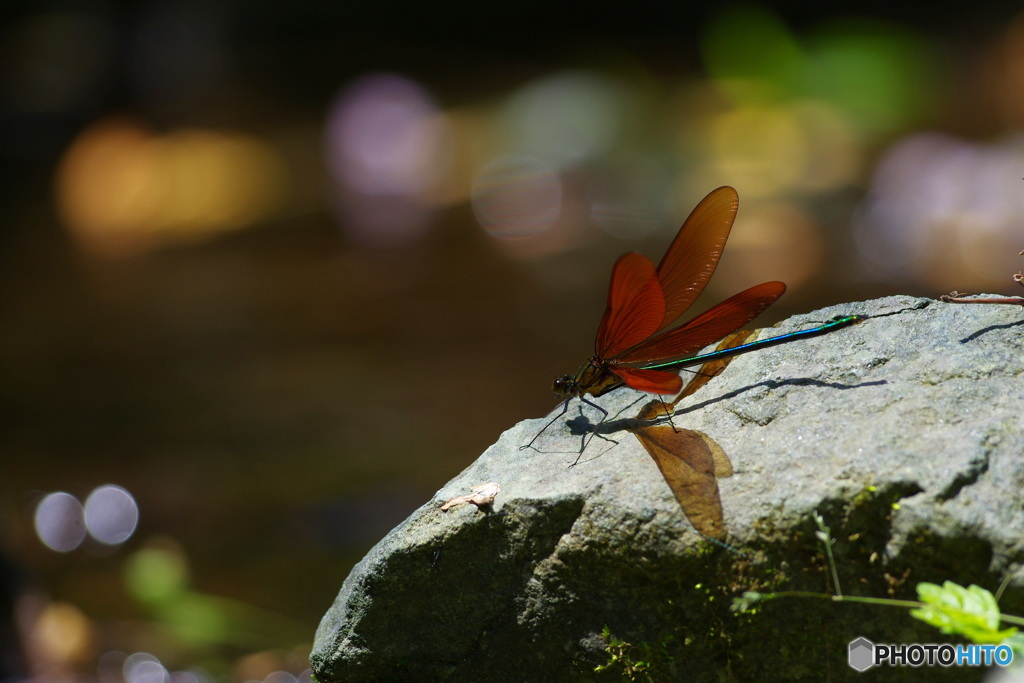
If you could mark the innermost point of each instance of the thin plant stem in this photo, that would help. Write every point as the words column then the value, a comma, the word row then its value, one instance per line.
column 825, row 536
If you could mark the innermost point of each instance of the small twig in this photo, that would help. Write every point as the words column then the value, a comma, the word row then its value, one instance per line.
column 956, row 297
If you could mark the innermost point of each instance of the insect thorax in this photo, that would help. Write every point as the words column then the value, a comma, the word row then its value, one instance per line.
column 593, row 378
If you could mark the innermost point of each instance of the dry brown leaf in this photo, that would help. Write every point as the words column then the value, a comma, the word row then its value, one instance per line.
column 482, row 496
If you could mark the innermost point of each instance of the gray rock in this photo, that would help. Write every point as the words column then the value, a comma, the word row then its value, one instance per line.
column 904, row 431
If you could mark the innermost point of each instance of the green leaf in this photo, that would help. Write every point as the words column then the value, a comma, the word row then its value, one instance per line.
column 971, row 612
column 747, row 602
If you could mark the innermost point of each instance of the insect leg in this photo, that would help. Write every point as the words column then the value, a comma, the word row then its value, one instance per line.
column 585, row 441
column 565, row 408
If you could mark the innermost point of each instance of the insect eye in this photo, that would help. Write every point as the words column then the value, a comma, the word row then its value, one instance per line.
column 562, row 385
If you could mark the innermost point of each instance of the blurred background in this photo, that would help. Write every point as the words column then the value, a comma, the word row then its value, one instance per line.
column 270, row 274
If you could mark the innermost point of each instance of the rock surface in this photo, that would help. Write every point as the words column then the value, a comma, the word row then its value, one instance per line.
column 904, row 432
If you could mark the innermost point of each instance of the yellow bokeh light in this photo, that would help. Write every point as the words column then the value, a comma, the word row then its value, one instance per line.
column 107, row 184
column 835, row 155
column 217, row 181
column 762, row 149
column 772, row 150
column 62, row 636
column 123, row 188
column 773, row 241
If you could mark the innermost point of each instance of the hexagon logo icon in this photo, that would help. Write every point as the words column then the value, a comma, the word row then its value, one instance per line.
column 862, row 654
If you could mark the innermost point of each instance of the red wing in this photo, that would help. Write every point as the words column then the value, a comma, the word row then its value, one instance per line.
column 710, row 326
column 635, row 308
column 651, row 381
column 687, row 462
column 692, row 257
